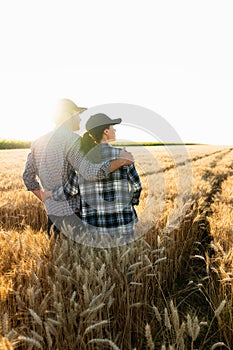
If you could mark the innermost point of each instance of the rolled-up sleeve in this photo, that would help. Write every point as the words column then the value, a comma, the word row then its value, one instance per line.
column 29, row 175
column 135, row 182
column 70, row 188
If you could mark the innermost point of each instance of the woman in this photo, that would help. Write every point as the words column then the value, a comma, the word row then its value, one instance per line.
column 107, row 205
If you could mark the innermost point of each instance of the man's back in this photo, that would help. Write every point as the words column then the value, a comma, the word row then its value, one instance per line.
column 48, row 162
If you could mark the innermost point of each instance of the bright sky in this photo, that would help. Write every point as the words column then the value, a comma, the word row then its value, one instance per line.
column 171, row 57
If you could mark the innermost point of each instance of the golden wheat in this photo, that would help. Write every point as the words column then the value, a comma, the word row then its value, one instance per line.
column 169, row 289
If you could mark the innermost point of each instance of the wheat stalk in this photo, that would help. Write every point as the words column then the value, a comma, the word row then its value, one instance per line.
column 149, row 339
column 36, row 317
column 104, row 341
column 31, row 341
column 96, row 325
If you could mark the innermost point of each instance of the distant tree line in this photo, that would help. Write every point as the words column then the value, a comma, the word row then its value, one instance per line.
column 14, row 144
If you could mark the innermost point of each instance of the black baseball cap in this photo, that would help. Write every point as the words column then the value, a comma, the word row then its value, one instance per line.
column 100, row 119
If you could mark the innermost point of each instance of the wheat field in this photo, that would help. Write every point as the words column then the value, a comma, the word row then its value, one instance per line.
column 170, row 289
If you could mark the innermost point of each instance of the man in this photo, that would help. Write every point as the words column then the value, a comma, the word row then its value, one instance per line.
column 54, row 155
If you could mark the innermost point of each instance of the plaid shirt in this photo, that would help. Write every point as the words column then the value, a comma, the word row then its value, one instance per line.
column 107, row 205
column 51, row 159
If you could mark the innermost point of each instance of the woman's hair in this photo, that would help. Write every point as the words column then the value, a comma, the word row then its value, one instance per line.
column 92, row 138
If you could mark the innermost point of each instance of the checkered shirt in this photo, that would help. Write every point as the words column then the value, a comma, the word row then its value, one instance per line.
column 51, row 159
column 107, row 205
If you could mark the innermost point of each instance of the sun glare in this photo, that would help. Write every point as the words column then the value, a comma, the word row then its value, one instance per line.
column 26, row 120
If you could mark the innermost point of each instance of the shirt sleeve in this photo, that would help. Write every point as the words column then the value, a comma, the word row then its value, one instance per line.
column 29, row 175
column 135, row 183
column 93, row 171
column 70, row 188
column 89, row 170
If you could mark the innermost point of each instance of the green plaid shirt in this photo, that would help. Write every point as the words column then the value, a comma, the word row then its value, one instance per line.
column 106, row 205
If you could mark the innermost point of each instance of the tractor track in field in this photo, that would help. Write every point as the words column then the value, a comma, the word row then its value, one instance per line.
column 216, row 184
column 221, row 154
column 205, row 209
column 199, row 267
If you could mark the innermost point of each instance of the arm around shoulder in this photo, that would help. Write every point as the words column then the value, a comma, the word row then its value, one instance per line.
column 125, row 158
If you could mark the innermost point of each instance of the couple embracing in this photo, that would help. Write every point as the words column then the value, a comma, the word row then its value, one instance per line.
column 86, row 184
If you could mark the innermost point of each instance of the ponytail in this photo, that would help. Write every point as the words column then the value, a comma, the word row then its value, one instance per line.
column 92, row 138
column 87, row 143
